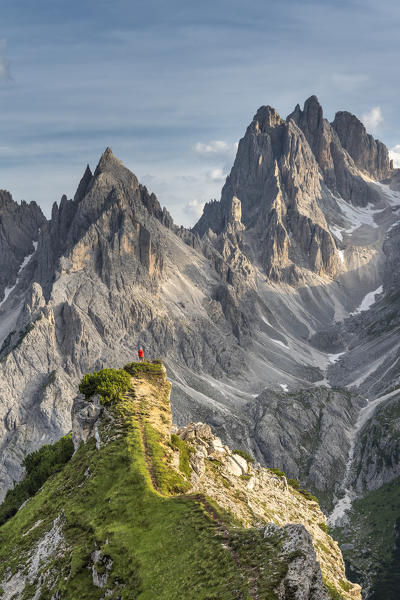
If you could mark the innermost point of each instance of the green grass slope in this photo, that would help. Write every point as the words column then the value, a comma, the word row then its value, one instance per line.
column 120, row 516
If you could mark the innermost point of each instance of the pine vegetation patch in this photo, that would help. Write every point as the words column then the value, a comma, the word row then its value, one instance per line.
column 109, row 384
column 39, row 465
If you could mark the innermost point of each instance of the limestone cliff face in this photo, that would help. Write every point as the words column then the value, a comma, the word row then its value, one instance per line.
column 109, row 215
column 288, row 176
column 341, row 165
column 278, row 183
column 19, row 228
column 369, row 155
column 377, row 451
column 307, row 434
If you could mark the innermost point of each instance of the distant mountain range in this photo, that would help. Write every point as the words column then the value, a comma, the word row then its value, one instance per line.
column 277, row 315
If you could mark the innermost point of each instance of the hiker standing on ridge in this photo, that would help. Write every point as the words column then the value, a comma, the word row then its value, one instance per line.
column 141, row 354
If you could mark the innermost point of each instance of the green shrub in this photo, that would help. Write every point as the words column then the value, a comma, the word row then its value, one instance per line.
column 333, row 593
column 109, row 384
column 136, row 369
column 39, row 465
column 244, row 455
column 324, row 527
column 294, row 483
column 278, row 472
column 308, row 495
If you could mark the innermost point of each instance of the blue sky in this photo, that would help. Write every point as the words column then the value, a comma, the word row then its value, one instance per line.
column 171, row 86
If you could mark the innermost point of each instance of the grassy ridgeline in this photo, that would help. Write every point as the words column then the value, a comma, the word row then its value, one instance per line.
column 152, row 544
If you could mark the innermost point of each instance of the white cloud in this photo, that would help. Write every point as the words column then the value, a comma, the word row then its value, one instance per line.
column 193, row 210
column 394, row 155
column 217, row 175
column 215, row 148
column 373, row 119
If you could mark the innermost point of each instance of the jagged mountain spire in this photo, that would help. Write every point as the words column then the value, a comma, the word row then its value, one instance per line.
column 277, row 180
column 370, row 155
column 83, row 184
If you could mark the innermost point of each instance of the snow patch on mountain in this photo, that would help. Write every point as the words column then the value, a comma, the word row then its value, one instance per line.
column 358, row 216
column 368, row 300
column 26, row 260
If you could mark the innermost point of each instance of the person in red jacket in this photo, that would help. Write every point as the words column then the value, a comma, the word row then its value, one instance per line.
column 141, row 354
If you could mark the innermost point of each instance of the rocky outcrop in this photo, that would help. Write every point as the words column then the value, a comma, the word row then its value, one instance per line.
column 377, row 452
column 84, row 416
column 370, row 155
column 111, row 212
column 19, row 228
column 307, row 433
column 276, row 179
column 250, row 492
column 281, row 548
column 338, row 166
column 303, row 579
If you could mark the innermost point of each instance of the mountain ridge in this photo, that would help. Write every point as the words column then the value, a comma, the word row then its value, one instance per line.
column 189, row 481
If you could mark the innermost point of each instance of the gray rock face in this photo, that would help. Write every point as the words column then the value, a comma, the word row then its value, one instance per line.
column 307, row 434
column 277, row 181
column 19, row 228
column 331, row 149
column 109, row 201
column 369, row 155
column 377, row 452
column 84, row 416
column 369, row 338
column 303, row 580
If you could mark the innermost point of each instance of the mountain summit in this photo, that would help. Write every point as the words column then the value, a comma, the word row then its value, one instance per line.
column 286, row 174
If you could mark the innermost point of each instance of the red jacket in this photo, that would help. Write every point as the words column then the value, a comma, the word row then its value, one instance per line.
column 141, row 353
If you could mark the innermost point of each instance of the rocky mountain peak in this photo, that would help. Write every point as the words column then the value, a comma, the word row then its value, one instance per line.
column 83, row 184
column 310, row 118
column 284, row 172
column 110, row 170
column 266, row 118
column 6, row 201
column 19, row 228
column 107, row 161
column 278, row 183
column 343, row 167
column 370, row 155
